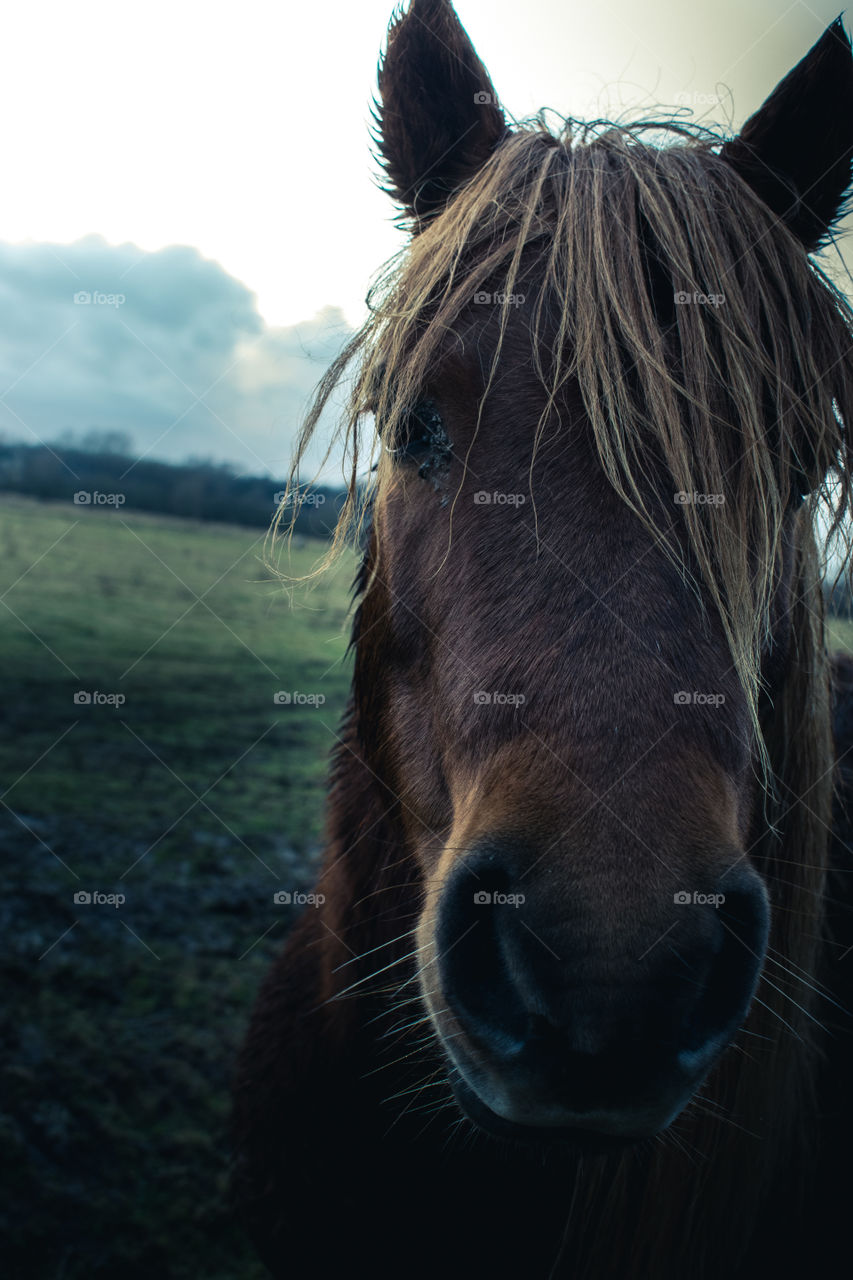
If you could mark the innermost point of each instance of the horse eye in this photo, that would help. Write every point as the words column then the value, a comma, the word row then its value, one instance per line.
column 420, row 436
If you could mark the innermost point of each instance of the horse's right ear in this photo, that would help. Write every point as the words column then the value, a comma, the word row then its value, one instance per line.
column 796, row 151
column 438, row 118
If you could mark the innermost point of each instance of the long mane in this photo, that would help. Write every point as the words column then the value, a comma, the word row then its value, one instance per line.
column 743, row 398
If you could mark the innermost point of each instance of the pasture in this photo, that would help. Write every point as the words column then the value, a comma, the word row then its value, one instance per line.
column 196, row 799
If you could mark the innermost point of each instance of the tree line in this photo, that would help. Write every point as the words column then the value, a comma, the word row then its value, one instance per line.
column 99, row 471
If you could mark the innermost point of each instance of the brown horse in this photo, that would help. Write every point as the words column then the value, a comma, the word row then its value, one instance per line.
column 574, row 1002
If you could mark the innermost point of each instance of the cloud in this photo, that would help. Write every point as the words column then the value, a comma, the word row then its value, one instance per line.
column 165, row 347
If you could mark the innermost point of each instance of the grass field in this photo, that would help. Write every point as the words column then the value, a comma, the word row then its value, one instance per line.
column 840, row 634
column 183, row 785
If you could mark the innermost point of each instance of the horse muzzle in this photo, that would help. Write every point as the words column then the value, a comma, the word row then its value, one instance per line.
column 564, row 1018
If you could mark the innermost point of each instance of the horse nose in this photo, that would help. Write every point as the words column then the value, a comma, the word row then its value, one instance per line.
column 548, row 996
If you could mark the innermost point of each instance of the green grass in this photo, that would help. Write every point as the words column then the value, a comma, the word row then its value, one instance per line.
column 196, row 798
column 182, row 621
column 840, row 634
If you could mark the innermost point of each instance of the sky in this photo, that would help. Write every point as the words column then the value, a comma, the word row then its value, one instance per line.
column 203, row 173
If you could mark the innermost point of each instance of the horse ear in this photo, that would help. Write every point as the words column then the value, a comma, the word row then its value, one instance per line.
column 795, row 152
column 438, row 119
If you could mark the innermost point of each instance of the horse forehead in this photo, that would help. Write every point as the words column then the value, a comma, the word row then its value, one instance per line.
column 488, row 343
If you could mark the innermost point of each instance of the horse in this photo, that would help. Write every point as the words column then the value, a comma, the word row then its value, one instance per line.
column 573, row 998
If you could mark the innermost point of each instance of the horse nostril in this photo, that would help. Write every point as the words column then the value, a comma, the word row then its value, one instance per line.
column 741, row 940
column 475, row 977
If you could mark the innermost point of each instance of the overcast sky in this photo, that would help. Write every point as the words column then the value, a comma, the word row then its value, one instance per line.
column 209, row 166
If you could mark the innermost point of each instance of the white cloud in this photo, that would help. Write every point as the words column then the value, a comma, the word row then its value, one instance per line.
column 164, row 346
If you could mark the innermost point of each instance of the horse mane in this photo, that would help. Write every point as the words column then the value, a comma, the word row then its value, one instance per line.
column 748, row 399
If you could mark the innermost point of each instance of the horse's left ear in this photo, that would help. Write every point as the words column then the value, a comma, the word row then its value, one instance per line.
column 438, row 119
column 795, row 152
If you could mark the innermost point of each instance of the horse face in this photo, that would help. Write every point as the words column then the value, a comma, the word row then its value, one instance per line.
column 557, row 711
column 572, row 749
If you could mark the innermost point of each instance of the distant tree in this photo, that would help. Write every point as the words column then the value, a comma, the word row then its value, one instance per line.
column 111, row 442
column 200, row 490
